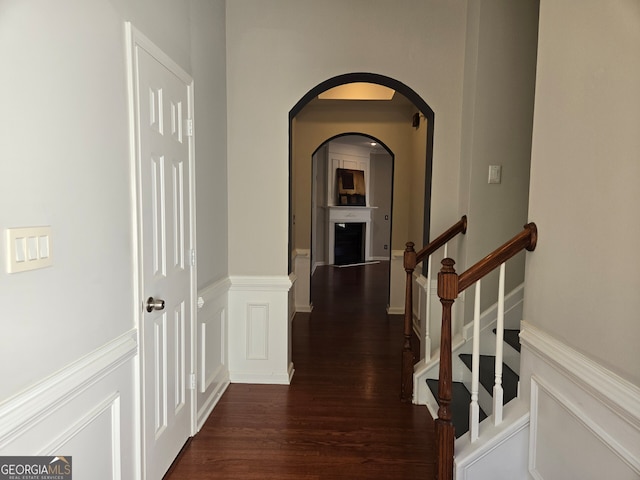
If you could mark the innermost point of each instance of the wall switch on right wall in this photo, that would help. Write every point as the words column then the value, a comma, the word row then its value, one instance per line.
column 495, row 173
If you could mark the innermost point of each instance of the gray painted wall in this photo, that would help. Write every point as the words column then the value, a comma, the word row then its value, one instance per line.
column 208, row 58
column 583, row 279
column 381, row 184
column 497, row 122
column 66, row 163
column 279, row 50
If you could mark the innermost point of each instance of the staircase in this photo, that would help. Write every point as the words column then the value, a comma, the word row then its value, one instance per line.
column 475, row 381
column 462, row 364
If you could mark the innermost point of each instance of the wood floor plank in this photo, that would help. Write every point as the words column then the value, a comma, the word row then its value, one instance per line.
column 341, row 417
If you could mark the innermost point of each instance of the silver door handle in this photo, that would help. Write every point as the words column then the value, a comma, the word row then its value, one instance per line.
column 154, row 304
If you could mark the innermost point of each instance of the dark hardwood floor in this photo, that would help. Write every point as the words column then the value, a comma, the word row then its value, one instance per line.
column 341, row 417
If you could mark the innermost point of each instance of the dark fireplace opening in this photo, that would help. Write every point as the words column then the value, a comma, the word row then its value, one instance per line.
column 349, row 243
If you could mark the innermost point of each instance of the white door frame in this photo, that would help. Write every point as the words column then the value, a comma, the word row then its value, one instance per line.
column 134, row 39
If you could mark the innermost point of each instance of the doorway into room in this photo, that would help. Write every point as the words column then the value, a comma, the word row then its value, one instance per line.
column 404, row 123
column 348, row 231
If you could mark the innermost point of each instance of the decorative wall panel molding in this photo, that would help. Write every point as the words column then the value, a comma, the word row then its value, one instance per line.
column 585, row 419
column 259, row 334
column 45, row 397
column 302, row 280
column 257, row 331
column 212, row 364
column 87, row 410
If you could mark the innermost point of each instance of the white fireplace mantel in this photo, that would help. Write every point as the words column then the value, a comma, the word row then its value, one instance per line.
column 349, row 214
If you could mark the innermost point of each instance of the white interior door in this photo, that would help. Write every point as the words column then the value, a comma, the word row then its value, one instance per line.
column 162, row 104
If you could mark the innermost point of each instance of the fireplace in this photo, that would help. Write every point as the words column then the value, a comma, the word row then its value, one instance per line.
column 349, row 234
column 349, row 243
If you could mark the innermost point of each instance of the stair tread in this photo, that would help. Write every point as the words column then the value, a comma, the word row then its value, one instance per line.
column 512, row 337
column 461, row 398
column 487, row 376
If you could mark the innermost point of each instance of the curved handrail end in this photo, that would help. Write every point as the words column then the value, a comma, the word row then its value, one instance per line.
column 533, row 236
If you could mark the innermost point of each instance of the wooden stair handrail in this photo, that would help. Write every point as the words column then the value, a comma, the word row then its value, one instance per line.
column 526, row 239
column 411, row 259
column 450, row 284
column 459, row 227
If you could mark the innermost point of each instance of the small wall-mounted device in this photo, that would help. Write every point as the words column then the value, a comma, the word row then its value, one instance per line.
column 495, row 173
column 415, row 122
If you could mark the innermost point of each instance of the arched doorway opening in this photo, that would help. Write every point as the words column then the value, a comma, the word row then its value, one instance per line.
column 343, row 234
column 409, row 130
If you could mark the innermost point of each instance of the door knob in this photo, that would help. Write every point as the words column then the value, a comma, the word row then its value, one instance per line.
column 154, row 304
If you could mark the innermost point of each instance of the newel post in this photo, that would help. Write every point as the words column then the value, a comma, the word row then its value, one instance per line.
column 408, row 359
column 445, row 432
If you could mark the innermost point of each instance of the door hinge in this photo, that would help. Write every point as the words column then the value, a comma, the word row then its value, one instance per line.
column 192, row 381
column 192, row 257
column 189, row 127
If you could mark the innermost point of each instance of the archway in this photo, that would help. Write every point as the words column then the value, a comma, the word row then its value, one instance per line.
column 421, row 111
column 365, row 229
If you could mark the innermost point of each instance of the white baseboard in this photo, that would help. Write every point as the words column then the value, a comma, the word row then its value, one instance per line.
column 316, row 265
column 210, row 403
column 262, row 379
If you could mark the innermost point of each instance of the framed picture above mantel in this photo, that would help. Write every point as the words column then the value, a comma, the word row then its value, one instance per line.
column 351, row 187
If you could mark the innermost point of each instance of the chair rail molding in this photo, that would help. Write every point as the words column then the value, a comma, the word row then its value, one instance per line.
column 597, row 410
column 34, row 404
column 88, row 409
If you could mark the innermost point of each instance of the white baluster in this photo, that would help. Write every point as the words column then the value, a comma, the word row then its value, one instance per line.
column 497, row 388
column 474, row 409
column 427, row 317
column 446, row 248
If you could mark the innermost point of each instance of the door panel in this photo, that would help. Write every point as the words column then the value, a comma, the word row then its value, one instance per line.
column 163, row 164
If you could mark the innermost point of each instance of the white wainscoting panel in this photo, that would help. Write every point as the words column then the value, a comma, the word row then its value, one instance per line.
column 302, row 286
column 87, row 411
column 213, row 372
column 292, row 296
column 259, row 333
column 500, row 452
column 585, row 420
column 398, row 283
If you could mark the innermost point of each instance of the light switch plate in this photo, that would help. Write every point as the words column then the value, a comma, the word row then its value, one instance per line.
column 495, row 173
column 28, row 248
